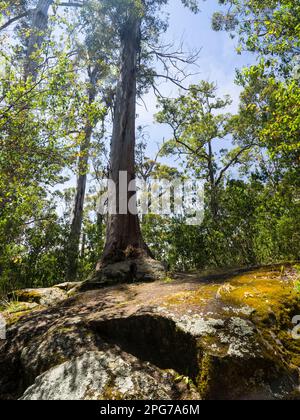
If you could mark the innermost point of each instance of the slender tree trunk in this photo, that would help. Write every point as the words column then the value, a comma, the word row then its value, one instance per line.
column 100, row 225
column 38, row 28
column 82, row 253
column 123, row 230
column 77, row 219
column 214, row 205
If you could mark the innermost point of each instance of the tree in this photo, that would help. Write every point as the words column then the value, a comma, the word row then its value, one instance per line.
column 94, row 113
column 123, row 230
column 34, row 31
column 271, row 30
column 137, row 24
column 270, row 108
column 39, row 117
column 34, row 27
column 198, row 124
column 38, row 26
column 34, row 147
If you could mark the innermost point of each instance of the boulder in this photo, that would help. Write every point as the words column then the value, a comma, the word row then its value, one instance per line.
column 189, row 337
column 112, row 375
column 44, row 296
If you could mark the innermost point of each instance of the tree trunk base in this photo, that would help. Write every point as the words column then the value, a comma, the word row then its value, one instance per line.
column 130, row 270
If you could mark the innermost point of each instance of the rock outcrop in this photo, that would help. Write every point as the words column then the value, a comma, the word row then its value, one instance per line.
column 109, row 374
column 45, row 297
column 186, row 338
column 126, row 271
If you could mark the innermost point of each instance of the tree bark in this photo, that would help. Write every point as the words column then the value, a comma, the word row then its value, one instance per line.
column 214, row 205
column 77, row 218
column 123, row 230
column 38, row 28
column 83, row 163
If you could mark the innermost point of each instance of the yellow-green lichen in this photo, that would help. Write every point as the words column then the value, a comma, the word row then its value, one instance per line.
column 13, row 311
column 111, row 393
column 27, row 295
column 168, row 280
column 194, row 297
column 204, row 378
column 264, row 291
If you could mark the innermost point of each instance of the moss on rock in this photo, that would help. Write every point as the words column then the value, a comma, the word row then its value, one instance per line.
column 228, row 337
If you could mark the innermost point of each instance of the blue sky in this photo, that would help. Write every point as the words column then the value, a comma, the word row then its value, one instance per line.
column 217, row 62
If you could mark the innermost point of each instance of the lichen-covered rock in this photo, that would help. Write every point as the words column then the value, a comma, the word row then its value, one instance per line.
column 106, row 375
column 228, row 337
column 129, row 270
column 44, row 296
column 13, row 311
column 67, row 286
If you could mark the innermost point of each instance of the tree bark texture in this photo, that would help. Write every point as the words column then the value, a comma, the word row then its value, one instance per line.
column 78, row 210
column 38, row 31
column 123, row 230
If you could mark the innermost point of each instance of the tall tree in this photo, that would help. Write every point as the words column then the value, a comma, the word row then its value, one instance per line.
column 123, row 230
column 34, row 18
column 94, row 112
column 38, row 25
column 200, row 126
column 137, row 24
column 271, row 30
column 46, row 106
column 34, row 143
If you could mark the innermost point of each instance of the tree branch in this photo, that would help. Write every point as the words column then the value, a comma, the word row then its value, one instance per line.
column 232, row 161
column 26, row 14
column 70, row 4
column 15, row 19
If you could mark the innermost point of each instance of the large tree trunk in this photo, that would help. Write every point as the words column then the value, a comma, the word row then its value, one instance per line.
column 123, row 230
column 126, row 257
column 38, row 30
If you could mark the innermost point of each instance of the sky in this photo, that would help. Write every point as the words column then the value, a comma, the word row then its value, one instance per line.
column 218, row 61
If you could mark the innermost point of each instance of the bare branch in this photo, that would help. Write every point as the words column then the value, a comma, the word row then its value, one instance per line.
column 176, row 82
column 175, row 63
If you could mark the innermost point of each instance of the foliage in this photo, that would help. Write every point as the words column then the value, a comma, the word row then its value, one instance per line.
column 201, row 129
column 249, row 161
column 259, row 224
column 271, row 106
column 270, row 28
